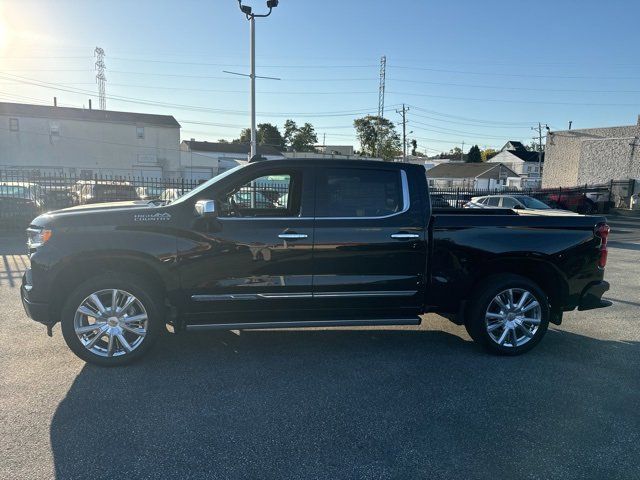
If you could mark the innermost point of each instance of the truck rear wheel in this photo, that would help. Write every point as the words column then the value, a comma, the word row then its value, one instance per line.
column 112, row 319
column 508, row 315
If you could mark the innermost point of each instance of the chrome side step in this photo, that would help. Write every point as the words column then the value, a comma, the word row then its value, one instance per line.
column 310, row 323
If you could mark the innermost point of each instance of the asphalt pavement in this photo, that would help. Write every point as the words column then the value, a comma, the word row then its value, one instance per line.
column 415, row 402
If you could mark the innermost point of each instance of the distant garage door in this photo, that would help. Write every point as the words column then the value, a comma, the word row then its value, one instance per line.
column 198, row 173
column 147, row 172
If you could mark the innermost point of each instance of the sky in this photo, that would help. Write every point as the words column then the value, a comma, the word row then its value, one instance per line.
column 469, row 71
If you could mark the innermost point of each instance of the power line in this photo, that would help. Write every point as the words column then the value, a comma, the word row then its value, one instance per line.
column 140, row 101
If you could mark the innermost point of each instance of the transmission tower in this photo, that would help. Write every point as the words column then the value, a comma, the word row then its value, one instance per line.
column 100, row 77
column 383, row 68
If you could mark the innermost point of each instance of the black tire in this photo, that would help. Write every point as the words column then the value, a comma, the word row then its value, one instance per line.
column 147, row 296
column 475, row 316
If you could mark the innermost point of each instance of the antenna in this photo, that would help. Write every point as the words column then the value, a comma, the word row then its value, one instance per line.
column 100, row 77
column 383, row 69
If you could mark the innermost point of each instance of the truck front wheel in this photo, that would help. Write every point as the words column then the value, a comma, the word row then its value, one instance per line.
column 508, row 315
column 112, row 319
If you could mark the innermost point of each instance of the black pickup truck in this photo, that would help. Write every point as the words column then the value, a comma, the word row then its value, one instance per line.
column 306, row 243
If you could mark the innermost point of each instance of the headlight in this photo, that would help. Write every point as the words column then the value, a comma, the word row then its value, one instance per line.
column 37, row 236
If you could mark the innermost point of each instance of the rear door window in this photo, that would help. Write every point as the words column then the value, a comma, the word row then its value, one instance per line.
column 493, row 201
column 509, row 202
column 359, row 193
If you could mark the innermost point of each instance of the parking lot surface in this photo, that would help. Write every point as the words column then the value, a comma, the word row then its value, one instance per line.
column 415, row 402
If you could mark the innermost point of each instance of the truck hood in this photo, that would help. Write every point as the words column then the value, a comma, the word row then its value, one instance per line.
column 137, row 212
column 103, row 207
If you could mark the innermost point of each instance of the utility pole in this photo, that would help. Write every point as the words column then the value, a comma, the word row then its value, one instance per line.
column 462, row 153
column 403, row 112
column 383, row 70
column 100, row 77
column 539, row 129
column 271, row 4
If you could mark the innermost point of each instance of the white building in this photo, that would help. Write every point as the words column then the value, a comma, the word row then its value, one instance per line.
column 592, row 155
column 335, row 149
column 84, row 142
column 203, row 160
column 480, row 176
column 522, row 161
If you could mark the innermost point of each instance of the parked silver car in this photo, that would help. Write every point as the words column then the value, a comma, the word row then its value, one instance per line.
column 523, row 203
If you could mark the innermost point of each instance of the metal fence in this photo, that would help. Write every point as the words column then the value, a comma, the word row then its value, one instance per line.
column 25, row 195
column 582, row 199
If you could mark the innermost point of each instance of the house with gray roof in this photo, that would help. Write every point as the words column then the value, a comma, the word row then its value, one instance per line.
column 202, row 160
column 592, row 156
column 525, row 163
column 42, row 139
column 479, row 176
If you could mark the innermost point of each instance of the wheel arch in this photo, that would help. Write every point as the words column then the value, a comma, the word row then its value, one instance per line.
column 543, row 273
column 79, row 268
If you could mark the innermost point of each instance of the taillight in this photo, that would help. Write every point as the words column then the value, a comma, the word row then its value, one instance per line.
column 602, row 231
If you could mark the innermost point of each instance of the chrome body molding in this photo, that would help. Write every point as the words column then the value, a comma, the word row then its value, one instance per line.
column 372, row 293
column 301, row 324
column 278, row 296
column 248, row 296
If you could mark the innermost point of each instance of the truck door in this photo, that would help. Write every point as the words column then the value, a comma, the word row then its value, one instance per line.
column 369, row 248
column 255, row 257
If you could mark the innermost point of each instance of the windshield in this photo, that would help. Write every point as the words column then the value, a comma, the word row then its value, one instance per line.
column 530, row 202
column 207, row 184
column 15, row 191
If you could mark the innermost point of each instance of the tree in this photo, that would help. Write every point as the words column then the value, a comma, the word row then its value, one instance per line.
column 269, row 134
column 474, row 155
column 299, row 139
column 378, row 137
column 304, row 139
column 488, row 154
column 266, row 134
column 290, row 129
column 414, row 147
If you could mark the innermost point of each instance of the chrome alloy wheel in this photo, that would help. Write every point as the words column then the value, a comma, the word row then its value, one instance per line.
column 111, row 323
column 513, row 317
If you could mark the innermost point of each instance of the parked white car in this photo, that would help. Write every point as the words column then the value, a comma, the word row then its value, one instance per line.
column 523, row 203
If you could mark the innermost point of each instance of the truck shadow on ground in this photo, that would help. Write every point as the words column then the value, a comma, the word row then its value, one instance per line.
column 354, row 404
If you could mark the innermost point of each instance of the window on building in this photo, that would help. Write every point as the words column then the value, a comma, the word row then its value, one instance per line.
column 359, row 193
column 140, row 132
column 14, row 126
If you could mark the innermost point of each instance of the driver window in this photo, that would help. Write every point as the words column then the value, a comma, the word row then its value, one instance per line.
column 273, row 195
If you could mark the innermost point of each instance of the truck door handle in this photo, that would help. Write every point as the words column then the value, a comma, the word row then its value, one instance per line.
column 404, row 236
column 293, row 236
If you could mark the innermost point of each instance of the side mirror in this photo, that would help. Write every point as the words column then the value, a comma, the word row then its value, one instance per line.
column 206, row 208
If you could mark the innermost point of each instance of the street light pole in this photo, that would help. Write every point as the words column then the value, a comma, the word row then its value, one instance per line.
column 252, row 75
column 271, row 4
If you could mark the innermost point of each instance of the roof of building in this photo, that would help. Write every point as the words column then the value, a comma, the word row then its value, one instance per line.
column 526, row 155
column 467, row 170
column 514, row 145
column 67, row 113
column 220, row 147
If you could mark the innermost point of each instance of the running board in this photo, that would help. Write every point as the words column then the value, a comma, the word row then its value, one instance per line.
column 311, row 323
